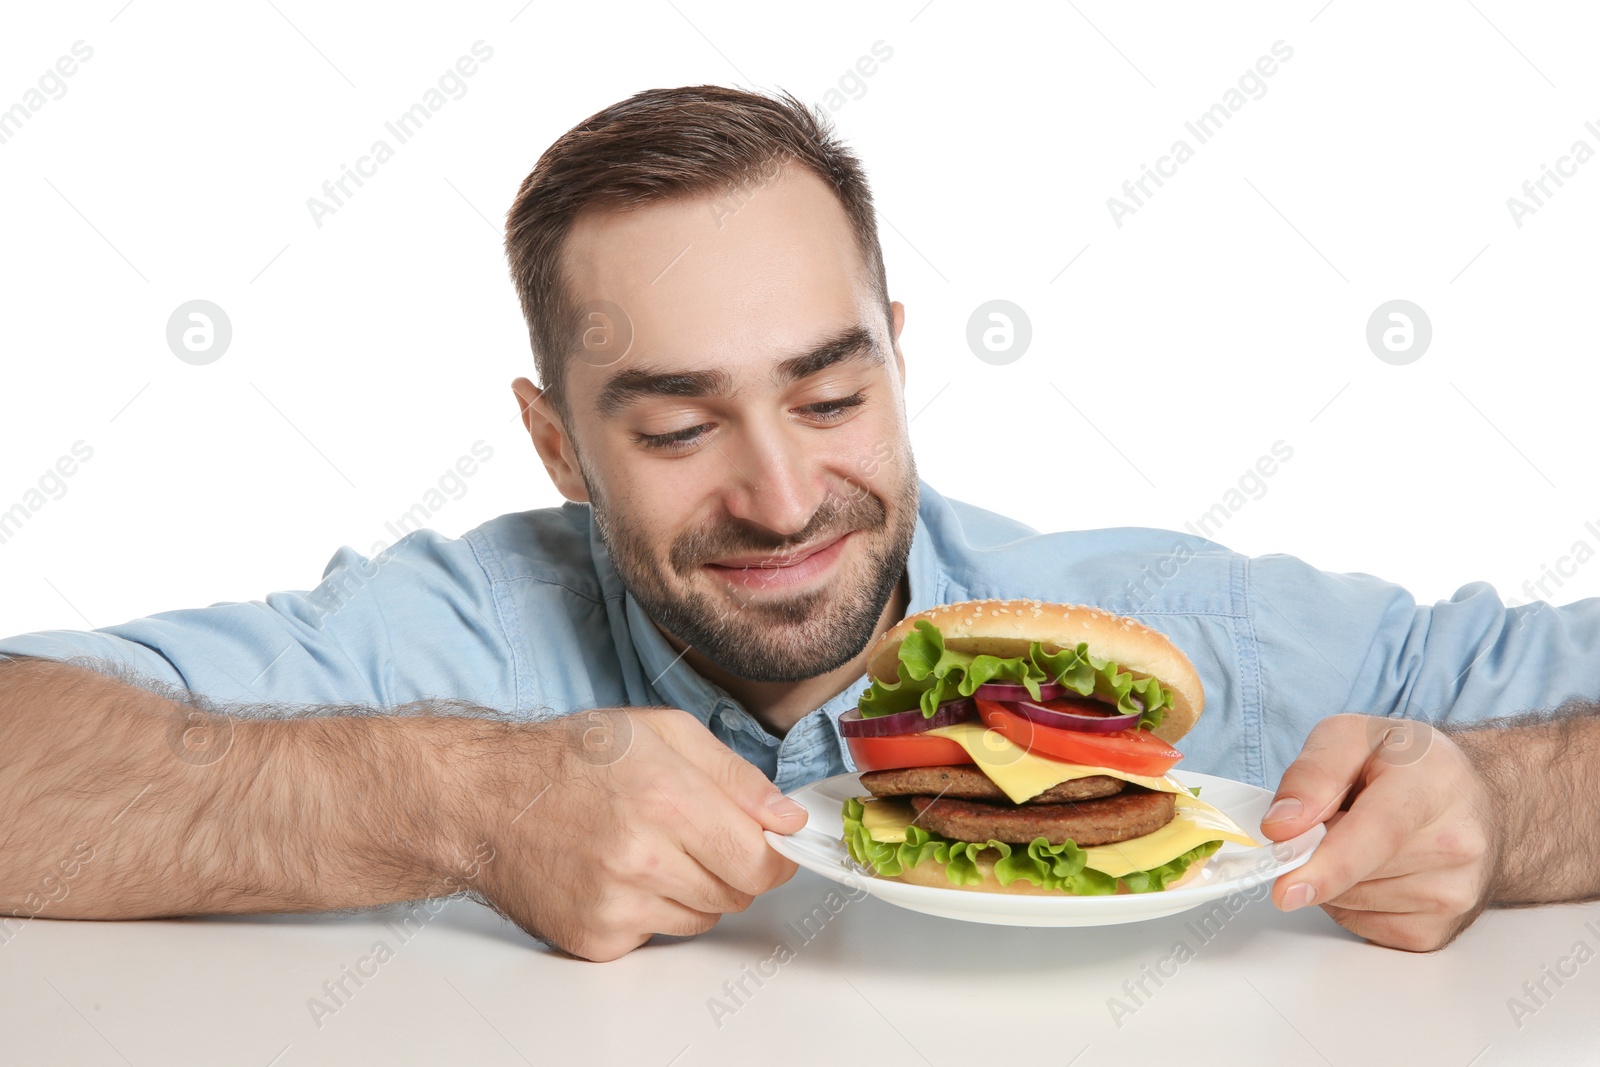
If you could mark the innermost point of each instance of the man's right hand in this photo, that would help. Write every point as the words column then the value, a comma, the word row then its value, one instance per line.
column 592, row 831
column 624, row 823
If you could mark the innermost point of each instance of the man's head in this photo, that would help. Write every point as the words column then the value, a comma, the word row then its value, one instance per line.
column 706, row 301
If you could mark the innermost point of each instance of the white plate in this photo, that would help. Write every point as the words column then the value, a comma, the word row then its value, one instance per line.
column 1233, row 868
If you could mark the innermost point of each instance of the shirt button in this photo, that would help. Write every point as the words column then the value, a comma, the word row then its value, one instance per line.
column 730, row 718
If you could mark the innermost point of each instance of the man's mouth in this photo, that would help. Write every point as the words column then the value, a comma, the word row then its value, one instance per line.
column 773, row 562
column 780, row 570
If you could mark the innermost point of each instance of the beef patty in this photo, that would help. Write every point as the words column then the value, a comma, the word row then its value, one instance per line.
column 968, row 783
column 1132, row 813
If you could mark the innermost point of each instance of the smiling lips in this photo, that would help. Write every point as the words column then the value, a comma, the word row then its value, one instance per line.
column 776, row 560
column 780, row 572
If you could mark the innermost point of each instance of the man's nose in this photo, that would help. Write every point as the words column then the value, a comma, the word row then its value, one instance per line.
column 775, row 482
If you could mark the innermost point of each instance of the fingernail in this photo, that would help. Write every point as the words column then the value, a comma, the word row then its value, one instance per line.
column 1299, row 896
column 1282, row 809
column 783, row 806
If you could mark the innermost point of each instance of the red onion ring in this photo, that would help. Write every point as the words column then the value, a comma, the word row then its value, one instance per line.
column 853, row 724
column 1069, row 720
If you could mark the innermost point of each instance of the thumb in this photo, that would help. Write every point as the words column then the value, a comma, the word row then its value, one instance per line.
column 1316, row 783
column 737, row 777
column 757, row 796
column 779, row 813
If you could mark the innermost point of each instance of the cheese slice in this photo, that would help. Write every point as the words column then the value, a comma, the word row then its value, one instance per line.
column 1021, row 775
column 1194, row 823
column 886, row 818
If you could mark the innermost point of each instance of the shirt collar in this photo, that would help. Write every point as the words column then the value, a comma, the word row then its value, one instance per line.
column 678, row 685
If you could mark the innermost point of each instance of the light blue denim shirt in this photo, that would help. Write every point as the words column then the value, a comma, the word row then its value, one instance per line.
column 527, row 615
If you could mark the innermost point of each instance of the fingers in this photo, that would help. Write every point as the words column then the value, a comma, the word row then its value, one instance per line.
column 679, row 877
column 656, row 827
column 1384, row 816
column 1406, row 865
column 751, row 790
column 715, row 831
column 1410, row 931
column 1315, row 784
column 639, row 921
column 1442, row 893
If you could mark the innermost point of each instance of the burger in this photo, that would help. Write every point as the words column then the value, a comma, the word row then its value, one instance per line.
column 1015, row 746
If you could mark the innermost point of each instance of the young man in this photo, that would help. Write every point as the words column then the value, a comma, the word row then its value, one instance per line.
column 584, row 710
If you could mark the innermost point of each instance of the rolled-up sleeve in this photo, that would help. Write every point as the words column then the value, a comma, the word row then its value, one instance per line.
column 417, row 621
column 1332, row 642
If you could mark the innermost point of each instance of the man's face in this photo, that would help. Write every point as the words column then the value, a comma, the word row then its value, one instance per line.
column 747, row 458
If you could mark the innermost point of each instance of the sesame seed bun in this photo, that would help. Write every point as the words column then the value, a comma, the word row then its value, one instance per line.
column 1007, row 627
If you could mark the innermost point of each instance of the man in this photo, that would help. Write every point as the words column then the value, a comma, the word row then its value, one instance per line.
column 587, row 707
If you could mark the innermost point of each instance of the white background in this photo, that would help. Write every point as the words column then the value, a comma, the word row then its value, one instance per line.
column 1228, row 313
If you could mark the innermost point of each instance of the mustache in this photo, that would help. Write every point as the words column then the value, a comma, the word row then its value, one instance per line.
column 835, row 516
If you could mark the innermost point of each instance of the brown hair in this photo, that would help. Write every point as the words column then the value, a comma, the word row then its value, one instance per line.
column 654, row 146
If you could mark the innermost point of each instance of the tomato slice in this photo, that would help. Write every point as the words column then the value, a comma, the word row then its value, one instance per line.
column 1133, row 751
column 904, row 750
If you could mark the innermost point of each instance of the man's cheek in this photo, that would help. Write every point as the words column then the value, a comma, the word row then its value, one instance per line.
column 872, row 463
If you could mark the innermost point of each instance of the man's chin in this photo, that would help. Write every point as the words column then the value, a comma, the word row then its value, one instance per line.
column 769, row 606
column 776, row 659
column 776, row 637
column 781, row 624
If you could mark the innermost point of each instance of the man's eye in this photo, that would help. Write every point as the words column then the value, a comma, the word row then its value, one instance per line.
column 834, row 409
column 675, row 439
column 822, row 411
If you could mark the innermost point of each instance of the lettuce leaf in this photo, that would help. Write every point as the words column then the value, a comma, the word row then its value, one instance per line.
column 1061, row 867
column 930, row 674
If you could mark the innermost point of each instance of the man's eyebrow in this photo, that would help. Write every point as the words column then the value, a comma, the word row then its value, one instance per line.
column 856, row 342
column 642, row 383
column 638, row 383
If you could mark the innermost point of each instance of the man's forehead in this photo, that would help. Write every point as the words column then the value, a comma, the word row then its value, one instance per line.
column 698, row 286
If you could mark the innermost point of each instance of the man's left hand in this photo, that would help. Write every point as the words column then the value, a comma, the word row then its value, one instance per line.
column 1412, row 841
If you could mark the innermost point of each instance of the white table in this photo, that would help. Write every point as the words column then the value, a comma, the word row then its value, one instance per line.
column 873, row 985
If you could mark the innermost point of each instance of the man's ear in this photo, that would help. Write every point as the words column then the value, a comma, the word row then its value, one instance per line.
column 550, row 438
column 897, row 322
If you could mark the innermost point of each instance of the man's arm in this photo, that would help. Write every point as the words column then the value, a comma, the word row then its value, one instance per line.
column 176, row 811
column 117, row 802
column 1426, row 828
column 1543, row 777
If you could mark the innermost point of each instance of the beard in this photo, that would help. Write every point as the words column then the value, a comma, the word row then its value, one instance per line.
column 786, row 639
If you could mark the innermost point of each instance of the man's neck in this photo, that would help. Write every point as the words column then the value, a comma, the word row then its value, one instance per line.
column 779, row 705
